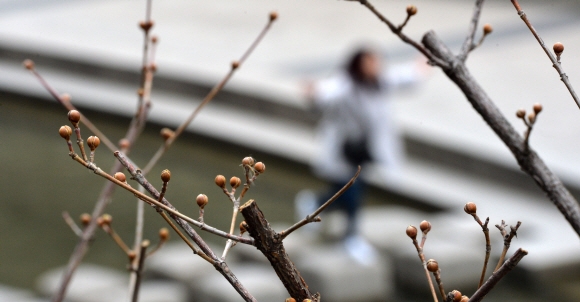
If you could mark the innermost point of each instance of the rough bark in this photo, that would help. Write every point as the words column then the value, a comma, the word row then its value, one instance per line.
column 270, row 244
column 527, row 158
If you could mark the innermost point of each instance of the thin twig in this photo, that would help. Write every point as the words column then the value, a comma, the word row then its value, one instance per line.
column 314, row 216
column 139, row 271
column 118, row 240
column 468, row 44
column 71, row 223
column 424, row 263
column 69, row 106
column 432, row 59
column 507, row 239
column 550, row 55
column 210, row 96
column 510, row 264
column 180, row 234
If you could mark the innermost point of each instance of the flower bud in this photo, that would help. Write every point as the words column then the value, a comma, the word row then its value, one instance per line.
column 165, row 175
column 456, row 295
column 146, row 25
column 432, row 265
column 248, row 161
column 273, row 16
column 537, row 108
column 65, row 97
column 558, row 48
column 235, row 182
column 166, row 133
column 260, row 167
column 521, row 113
column 243, row 227
column 28, row 64
column 93, row 142
column 85, row 219
column 412, row 232
column 470, row 208
column 235, row 64
column 120, row 176
column 201, row 200
column 411, row 10
column 163, row 234
column 106, row 219
column 74, row 116
column 65, row 132
column 132, row 255
column 220, row 181
column 532, row 117
column 124, row 143
column 487, row 29
column 154, row 39
column 425, row 226
column 464, row 299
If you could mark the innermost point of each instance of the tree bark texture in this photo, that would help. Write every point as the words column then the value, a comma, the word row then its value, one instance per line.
column 269, row 242
column 528, row 159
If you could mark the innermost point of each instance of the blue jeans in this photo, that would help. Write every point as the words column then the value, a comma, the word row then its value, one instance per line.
column 350, row 202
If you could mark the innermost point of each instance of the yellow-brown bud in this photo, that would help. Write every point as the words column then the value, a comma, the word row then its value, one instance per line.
column 425, row 226
column 470, row 208
column 432, row 265
column 411, row 10
column 260, row 167
column 65, row 132
column 201, row 200
column 163, row 234
column 132, row 255
column 120, row 176
column 124, row 143
column 464, row 299
column 165, row 175
column 521, row 113
column 106, row 219
column 146, row 25
column 93, row 142
column 243, row 227
column 532, row 117
column 85, row 219
column 235, row 182
column 166, row 133
column 487, row 29
column 248, row 161
column 273, row 16
column 538, row 108
column 412, row 232
column 74, row 117
column 220, row 181
column 456, row 295
column 558, row 48
column 28, row 64
column 235, row 64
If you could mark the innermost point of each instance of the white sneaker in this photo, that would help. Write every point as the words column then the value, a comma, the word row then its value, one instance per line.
column 361, row 250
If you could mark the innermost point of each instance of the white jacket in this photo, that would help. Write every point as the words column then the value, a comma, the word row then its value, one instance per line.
column 347, row 110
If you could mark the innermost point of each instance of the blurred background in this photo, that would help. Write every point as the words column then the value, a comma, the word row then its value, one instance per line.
column 92, row 50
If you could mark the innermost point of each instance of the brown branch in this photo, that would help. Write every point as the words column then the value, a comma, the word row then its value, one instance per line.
column 510, row 264
column 139, row 271
column 527, row 158
column 507, row 239
column 209, row 97
column 314, row 216
column 468, row 45
column 270, row 244
column 555, row 62
column 397, row 31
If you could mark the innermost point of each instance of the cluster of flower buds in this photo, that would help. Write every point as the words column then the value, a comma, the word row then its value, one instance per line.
column 531, row 118
column 456, row 296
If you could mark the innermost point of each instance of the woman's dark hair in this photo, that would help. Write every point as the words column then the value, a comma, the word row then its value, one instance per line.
column 354, row 68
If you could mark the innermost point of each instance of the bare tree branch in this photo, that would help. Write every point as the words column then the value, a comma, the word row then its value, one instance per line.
column 468, row 45
column 555, row 62
column 507, row 266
